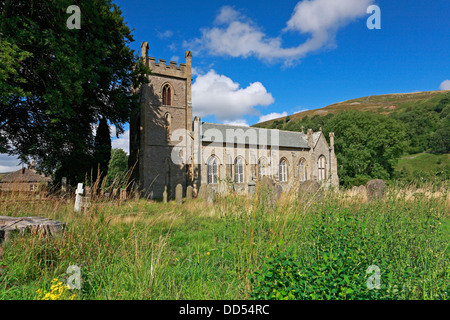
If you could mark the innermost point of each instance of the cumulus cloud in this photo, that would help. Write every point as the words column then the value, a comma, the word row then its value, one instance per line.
column 236, row 35
column 238, row 122
column 218, row 95
column 445, row 85
column 122, row 142
column 271, row 116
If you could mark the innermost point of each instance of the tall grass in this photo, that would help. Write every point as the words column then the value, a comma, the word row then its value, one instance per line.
column 140, row 249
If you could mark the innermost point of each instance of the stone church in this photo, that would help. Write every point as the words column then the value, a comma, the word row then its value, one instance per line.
column 169, row 147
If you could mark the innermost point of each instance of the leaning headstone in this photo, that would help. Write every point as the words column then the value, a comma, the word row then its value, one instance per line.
column 189, row 191
column 165, row 194
column 375, row 189
column 179, row 194
column 202, row 192
column 78, row 197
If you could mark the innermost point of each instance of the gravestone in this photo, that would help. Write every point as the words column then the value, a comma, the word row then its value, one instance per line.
column 251, row 188
column 210, row 194
column 123, row 194
column 63, row 186
column 202, row 192
column 114, row 193
column 375, row 189
column 179, row 194
column 78, row 197
column 189, row 192
column 308, row 189
column 165, row 194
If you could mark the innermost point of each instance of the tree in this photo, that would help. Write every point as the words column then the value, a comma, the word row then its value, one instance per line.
column 118, row 165
column 57, row 82
column 102, row 150
column 367, row 145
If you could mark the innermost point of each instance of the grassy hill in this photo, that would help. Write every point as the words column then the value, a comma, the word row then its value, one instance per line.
column 384, row 104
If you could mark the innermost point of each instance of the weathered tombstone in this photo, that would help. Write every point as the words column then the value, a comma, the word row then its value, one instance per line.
column 210, row 194
column 308, row 189
column 375, row 189
column 251, row 188
column 202, row 192
column 189, row 192
column 114, row 193
column 165, row 194
column 78, row 197
column 123, row 194
column 63, row 186
column 179, row 194
column 267, row 192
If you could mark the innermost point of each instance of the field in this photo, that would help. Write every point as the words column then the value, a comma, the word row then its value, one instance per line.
column 312, row 247
column 426, row 162
column 384, row 104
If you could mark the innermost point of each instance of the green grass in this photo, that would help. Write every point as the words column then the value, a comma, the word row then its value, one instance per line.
column 427, row 162
column 149, row 250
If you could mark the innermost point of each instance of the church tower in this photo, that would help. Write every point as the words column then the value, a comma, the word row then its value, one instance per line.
column 165, row 108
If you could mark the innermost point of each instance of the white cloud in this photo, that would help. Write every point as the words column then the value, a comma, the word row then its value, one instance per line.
column 236, row 35
column 238, row 122
column 9, row 163
column 175, row 58
column 123, row 142
column 445, row 85
column 218, row 95
column 165, row 35
column 271, row 116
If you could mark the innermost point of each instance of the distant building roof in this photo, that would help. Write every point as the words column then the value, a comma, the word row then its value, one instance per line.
column 283, row 138
column 24, row 175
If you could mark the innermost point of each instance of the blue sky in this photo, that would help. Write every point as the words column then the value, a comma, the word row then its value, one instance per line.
column 255, row 60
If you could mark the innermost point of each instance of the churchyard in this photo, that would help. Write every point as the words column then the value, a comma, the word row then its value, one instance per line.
column 304, row 244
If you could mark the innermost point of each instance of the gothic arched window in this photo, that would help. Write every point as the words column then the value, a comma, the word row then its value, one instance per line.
column 167, row 95
column 239, row 170
column 212, row 171
column 302, row 170
column 283, row 170
column 321, row 164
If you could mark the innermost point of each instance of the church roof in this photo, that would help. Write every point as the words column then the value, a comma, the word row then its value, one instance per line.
column 210, row 133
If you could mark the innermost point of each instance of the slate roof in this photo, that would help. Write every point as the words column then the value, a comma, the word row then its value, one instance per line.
column 264, row 136
column 24, row 175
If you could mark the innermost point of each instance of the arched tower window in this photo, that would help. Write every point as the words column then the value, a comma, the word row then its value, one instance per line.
column 167, row 95
column 212, row 171
column 321, row 164
column 302, row 170
column 239, row 170
column 283, row 170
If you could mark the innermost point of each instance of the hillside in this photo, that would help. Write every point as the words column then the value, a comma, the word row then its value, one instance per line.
column 383, row 104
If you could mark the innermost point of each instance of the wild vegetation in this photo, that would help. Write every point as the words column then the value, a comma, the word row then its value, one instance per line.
column 370, row 142
column 317, row 247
